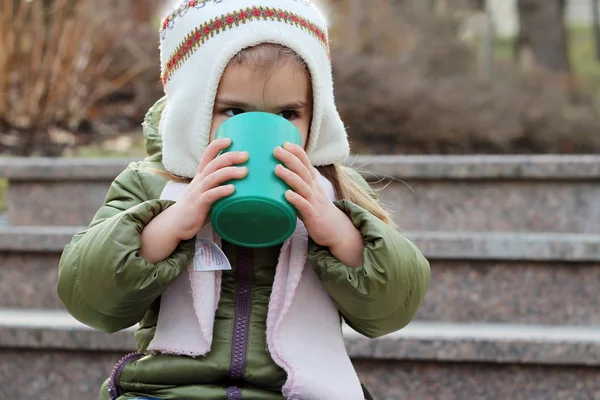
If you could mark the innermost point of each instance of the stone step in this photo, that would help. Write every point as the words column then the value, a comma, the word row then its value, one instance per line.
column 476, row 277
column 427, row 193
column 49, row 191
column 46, row 354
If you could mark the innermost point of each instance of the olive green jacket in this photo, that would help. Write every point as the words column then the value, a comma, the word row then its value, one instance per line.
column 104, row 283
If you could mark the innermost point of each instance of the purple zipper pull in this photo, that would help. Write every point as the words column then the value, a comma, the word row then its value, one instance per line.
column 113, row 382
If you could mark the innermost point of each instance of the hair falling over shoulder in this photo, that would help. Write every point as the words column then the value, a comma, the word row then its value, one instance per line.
column 346, row 189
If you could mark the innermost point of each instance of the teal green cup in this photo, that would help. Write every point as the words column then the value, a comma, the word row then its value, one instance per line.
column 257, row 214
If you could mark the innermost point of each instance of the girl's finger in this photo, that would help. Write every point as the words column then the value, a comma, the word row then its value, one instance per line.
column 297, row 184
column 302, row 205
column 294, row 164
column 210, row 196
column 222, row 175
column 225, row 160
column 212, row 151
column 299, row 152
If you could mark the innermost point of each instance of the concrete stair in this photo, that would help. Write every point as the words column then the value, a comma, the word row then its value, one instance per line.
column 48, row 192
column 512, row 311
column 476, row 277
column 46, row 354
column 439, row 193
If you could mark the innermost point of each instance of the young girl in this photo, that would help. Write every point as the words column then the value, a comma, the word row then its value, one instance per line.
column 269, row 327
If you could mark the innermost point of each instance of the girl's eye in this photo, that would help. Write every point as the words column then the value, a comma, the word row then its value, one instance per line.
column 289, row 114
column 232, row 112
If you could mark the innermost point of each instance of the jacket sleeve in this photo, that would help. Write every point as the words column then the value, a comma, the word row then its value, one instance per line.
column 102, row 280
column 383, row 295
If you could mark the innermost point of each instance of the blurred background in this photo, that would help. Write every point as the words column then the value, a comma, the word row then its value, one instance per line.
column 412, row 76
column 489, row 110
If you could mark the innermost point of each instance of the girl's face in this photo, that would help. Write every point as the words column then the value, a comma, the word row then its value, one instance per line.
column 285, row 90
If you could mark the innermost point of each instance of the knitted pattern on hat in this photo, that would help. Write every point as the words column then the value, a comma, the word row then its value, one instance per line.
column 200, row 37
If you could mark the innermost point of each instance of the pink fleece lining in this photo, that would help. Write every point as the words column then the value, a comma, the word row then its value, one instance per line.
column 315, row 360
column 284, row 288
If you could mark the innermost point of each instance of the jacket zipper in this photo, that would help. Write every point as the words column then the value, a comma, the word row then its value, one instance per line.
column 241, row 322
column 114, row 391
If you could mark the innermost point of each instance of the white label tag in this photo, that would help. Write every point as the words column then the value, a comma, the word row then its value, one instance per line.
column 209, row 257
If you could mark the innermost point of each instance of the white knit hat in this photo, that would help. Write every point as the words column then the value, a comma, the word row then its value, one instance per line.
column 200, row 37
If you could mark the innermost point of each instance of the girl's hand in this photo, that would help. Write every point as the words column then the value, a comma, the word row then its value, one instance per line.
column 324, row 222
column 191, row 212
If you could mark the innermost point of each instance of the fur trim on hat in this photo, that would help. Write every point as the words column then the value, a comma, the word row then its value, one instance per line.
column 199, row 38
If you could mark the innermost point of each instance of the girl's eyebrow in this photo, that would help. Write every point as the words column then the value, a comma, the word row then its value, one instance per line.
column 244, row 106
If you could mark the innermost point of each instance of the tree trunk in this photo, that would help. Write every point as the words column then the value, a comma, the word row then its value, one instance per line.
column 596, row 25
column 486, row 40
column 543, row 34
